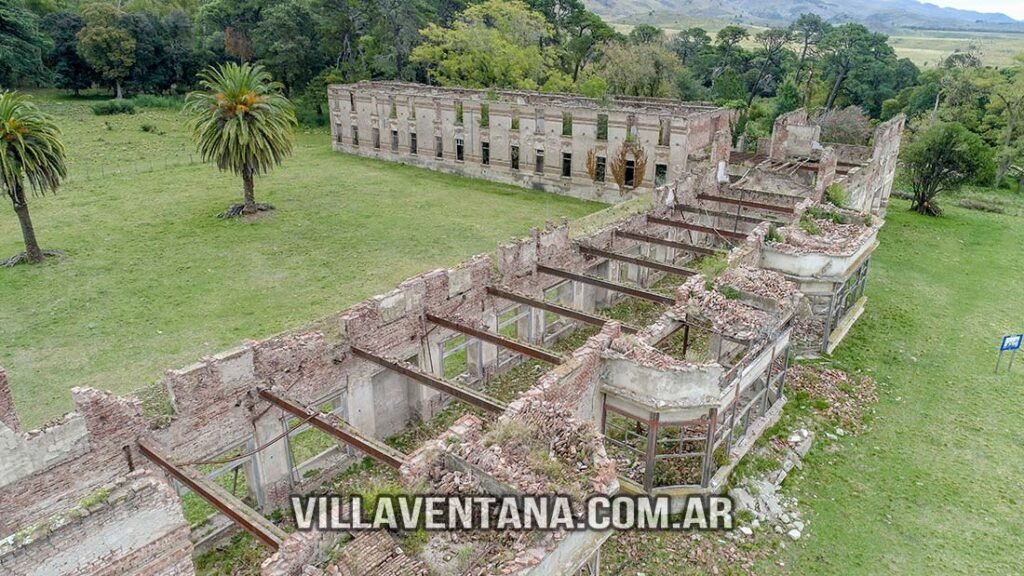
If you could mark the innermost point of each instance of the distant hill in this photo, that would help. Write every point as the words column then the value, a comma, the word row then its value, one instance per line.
column 880, row 15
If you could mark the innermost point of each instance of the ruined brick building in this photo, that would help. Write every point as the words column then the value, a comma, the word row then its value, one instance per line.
column 735, row 267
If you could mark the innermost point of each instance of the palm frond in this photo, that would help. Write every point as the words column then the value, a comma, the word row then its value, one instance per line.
column 30, row 147
column 241, row 120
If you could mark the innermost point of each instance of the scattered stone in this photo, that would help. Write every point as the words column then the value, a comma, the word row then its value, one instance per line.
column 746, row 530
column 799, row 525
column 794, row 534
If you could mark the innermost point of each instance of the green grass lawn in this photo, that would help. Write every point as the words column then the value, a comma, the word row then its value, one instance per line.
column 937, row 485
column 153, row 279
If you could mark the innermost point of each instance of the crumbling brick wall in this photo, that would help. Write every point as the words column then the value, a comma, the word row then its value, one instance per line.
column 793, row 134
column 78, row 461
column 133, row 527
column 868, row 186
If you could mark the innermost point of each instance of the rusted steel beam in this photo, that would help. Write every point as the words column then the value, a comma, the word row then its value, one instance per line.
column 721, row 214
column 635, row 292
column 253, row 522
column 342, row 431
column 746, row 203
column 525, row 349
column 464, row 393
column 661, row 266
column 696, row 227
column 591, row 319
column 670, row 243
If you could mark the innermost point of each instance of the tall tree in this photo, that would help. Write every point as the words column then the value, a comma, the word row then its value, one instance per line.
column 850, row 49
column 287, row 44
column 1006, row 90
column 31, row 156
column 498, row 43
column 21, row 45
column 647, row 70
column 941, row 159
column 71, row 70
column 107, row 45
column 772, row 47
column 808, row 32
column 241, row 121
column 689, row 44
column 645, row 34
column 584, row 33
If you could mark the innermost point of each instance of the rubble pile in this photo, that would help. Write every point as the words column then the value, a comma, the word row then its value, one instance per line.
column 762, row 495
column 759, row 282
column 834, row 239
column 727, row 316
column 848, row 397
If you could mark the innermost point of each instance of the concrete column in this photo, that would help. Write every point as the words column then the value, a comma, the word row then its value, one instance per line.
column 271, row 480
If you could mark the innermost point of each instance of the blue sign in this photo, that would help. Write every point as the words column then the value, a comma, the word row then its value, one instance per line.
column 1011, row 342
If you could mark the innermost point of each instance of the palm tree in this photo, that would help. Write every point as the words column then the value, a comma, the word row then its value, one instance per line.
column 242, row 122
column 30, row 151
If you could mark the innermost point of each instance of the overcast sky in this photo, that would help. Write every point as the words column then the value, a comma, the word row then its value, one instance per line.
column 1012, row 8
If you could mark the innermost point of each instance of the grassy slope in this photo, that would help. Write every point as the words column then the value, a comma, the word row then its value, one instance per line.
column 153, row 279
column 935, row 487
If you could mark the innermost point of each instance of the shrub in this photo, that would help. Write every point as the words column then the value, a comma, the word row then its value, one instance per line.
column 808, row 225
column 836, row 195
column 152, row 101
column 112, row 107
column 819, row 213
column 941, row 159
column 849, row 125
column 774, row 235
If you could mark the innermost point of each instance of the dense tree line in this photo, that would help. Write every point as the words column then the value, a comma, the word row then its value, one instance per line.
column 159, row 46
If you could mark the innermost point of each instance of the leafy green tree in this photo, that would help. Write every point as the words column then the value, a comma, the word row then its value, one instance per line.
column 31, row 155
column 1005, row 89
column 241, row 121
column 647, row 70
column 690, row 44
column 71, row 70
column 852, row 49
column 773, row 46
column 585, row 32
column 107, row 45
column 941, row 159
column 787, row 99
column 645, row 34
column 21, row 45
column 808, row 32
column 497, row 43
column 287, row 44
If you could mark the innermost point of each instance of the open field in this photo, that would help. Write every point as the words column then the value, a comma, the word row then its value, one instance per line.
column 153, row 279
column 936, row 486
column 926, row 48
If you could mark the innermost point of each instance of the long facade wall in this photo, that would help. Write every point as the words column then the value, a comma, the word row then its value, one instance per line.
column 382, row 119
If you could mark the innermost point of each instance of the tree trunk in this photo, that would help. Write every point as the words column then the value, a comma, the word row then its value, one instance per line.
column 35, row 254
column 1006, row 158
column 120, row 91
column 800, row 64
column 249, row 207
column 835, row 90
